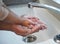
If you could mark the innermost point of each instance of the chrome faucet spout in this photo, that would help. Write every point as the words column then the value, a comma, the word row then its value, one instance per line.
column 51, row 8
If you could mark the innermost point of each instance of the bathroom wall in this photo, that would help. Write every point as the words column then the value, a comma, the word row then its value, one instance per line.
column 51, row 2
column 13, row 2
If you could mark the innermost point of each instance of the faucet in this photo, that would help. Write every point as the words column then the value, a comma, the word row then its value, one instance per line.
column 51, row 8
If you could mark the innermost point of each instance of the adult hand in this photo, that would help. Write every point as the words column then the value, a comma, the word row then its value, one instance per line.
column 27, row 28
column 36, row 24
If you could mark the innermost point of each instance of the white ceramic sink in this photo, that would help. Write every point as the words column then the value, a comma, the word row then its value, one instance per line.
column 7, row 37
column 50, row 41
column 57, row 1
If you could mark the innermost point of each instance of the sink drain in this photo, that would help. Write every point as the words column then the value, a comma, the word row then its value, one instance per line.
column 30, row 38
column 57, row 38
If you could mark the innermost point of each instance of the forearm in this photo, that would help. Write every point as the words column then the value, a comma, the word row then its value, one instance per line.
column 4, row 26
column 12, row 17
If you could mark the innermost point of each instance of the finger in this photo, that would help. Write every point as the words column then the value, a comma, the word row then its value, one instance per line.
column 30, row 21
column 34, row 19
column 35, row 28
column 28, row 31
column 19, row 29
column 43, row 26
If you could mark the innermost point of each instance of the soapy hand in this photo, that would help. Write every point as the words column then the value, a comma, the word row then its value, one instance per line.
column 29, row 26
column 37, row 24
column 34, row 24
column 33, row 21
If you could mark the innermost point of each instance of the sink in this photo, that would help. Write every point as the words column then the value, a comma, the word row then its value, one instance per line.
column 53, row 24
column 57, row 1
column 50, row 41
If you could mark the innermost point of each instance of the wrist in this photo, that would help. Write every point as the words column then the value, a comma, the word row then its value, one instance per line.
column 4, row 26
column 12, row 18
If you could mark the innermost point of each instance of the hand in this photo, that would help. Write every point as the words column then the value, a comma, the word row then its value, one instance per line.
column 21, row 30
column 25, row 21
column 36, row 23
column 24, row 31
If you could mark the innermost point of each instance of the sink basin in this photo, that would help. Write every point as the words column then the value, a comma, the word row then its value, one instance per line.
column 50, row 41
column 57, row 1
column 53, row 24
